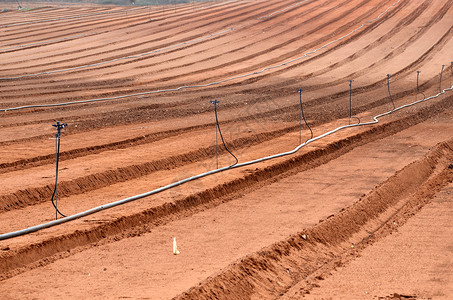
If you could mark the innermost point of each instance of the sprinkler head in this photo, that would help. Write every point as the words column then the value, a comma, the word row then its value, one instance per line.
column 60, row 125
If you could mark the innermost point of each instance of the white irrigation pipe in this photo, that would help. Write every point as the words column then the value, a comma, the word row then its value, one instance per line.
column 68, row 18
column 121, row 58
column 207, row 84
column 172, row 185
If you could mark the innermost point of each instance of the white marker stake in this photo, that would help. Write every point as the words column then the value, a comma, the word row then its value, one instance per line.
column 175, row 247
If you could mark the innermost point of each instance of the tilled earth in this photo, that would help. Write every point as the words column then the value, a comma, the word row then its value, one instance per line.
column 309, row 224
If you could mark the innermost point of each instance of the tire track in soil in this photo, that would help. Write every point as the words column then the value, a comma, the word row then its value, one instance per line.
column 42, row 253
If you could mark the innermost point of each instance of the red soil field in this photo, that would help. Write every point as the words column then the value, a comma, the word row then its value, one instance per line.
column 362, row 213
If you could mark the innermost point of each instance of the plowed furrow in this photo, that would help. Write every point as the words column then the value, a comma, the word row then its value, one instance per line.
column 12, row 262
column 111, row 82
column 271, row 272
column 190, row 29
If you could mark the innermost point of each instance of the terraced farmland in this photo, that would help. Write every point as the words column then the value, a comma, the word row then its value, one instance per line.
column 136, row 84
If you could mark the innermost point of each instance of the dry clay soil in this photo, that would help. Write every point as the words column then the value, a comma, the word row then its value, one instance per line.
column 362, row 213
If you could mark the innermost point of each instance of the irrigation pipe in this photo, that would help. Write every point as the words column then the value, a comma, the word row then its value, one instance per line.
column 215, row 102
column 302, row 116
column 192, row 178
column 59, row 126
column 206, row 84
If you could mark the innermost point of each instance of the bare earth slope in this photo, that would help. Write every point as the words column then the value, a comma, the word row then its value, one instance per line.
column 134, row 85
column 414, row 262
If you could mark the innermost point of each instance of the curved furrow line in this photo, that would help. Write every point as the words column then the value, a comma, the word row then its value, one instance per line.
column 293, row 53
column 82, row 27
column 121, row 49
column 145, row 16
column 85, row 30
column 325, row 52
column 225, row 44
column 109, row 84
column 318, row 28
column 250, row 57
column 265, row 52
column 64, row 19
column 411, row 18
column 166, row 47
column 404, row 72
column 38, row 14
column 56, row 40
column 238, row 49
column 30, row 33
column 438, row 46
column 220, row 13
